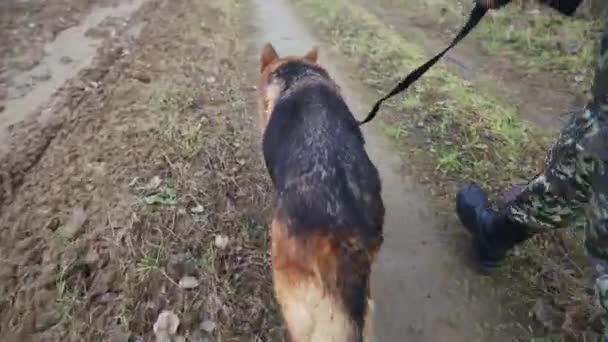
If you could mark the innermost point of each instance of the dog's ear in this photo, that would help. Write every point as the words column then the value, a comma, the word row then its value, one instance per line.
column 269, row 55
column 312, row 55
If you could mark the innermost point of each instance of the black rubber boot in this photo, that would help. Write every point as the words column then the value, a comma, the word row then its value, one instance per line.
column 494, row 234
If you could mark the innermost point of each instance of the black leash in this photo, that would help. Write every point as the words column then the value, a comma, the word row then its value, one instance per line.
column 476, row 15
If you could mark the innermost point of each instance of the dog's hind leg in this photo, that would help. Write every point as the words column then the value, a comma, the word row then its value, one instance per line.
column 311, row 307
column 369, row 332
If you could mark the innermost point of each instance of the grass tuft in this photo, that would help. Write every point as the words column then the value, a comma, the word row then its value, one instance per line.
column 532, row 36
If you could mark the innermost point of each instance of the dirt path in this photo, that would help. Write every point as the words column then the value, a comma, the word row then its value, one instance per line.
column 420, row 283
column 508, row 83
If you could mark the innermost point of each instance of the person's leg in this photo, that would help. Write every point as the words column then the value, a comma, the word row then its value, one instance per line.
column 556, row 197
column 596, row 243
column 575, row 180
column 553, row 199
column 596, row 229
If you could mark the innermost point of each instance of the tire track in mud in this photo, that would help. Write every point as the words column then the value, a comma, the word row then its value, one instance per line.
column 419, row 284
column 31, row 122
column 33, row 199
column 30, row 139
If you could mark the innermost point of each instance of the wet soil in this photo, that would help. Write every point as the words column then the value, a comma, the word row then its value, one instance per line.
column 26, row 26
column 70, row 51
column 136, row 191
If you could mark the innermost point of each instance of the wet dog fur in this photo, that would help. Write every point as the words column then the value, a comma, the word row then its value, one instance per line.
column 329, row 215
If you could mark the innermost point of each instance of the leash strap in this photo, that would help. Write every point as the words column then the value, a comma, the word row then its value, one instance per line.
column 476, row 15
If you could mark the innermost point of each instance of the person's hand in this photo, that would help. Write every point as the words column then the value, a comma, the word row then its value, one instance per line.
column 565, row 7
column 492, row 4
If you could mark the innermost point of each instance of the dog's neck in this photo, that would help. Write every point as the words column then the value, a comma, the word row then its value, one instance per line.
column 294, row 74
column 289, row 78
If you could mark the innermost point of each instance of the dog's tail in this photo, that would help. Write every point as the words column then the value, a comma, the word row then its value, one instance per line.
column 354, row 263
column 322, row 285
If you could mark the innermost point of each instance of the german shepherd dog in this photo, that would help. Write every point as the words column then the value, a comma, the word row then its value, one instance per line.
column 329, row 215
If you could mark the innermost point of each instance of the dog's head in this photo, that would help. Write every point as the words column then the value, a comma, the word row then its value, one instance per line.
column 269, row 87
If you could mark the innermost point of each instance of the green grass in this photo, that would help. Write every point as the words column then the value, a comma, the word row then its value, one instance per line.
column 458, row 127
column 542, row 40
column 186, row 139
column 533, row 37
column 451, row 133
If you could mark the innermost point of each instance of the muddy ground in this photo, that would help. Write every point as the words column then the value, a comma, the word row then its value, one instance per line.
column 27, row 26
column 133, row 196
column 141, row 191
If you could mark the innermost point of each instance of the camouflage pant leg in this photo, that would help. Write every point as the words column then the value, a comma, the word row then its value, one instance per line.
column 573, row 190
column 596, row 227
column 596, row 241
column 558, row 196
column 601, row 290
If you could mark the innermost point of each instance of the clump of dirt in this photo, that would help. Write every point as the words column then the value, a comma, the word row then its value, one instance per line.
column 143, row 201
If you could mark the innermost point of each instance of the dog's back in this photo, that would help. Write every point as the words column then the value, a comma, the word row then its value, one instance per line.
column 329, row 214
column 314, row 151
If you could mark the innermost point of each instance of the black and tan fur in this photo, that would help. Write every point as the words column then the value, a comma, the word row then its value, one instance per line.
column 327, row 224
